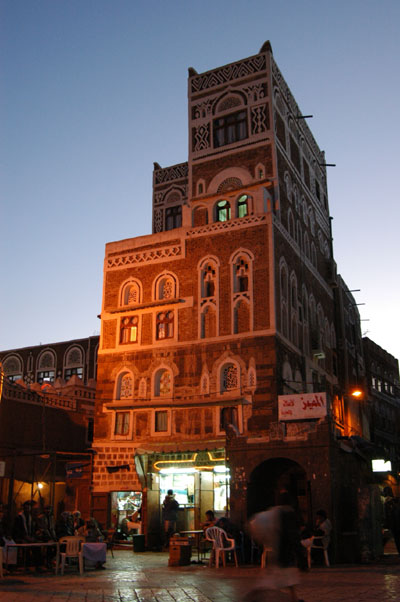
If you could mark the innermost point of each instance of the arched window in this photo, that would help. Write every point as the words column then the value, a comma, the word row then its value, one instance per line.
column 241, row 322
column 241, row 271
column 229, row 377
column 290, row 225
column 223, row 211
column 129, row 332
column 166, row 287
column 165, row 325
column 208, row 277
column 208, row 322
column 173, row 217
column 313, row 255
column 131, row 294
column 12, row 367
column 243, row 206
column 306, row 245
column 46, row 367
column 284, row 290
column 124, row 388
column 163, row 383
column 73, row 363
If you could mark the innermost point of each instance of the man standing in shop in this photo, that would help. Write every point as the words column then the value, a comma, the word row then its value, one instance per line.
column 169, row 515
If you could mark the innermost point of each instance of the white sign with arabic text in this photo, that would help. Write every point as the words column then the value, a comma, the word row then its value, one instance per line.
column 302, row 406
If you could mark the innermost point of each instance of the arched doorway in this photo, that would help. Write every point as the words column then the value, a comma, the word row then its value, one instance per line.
column 271, row 477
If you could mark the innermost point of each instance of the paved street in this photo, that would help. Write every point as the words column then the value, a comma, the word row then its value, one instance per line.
column 146, row 577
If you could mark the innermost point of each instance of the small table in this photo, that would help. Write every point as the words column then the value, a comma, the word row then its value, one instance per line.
column 33, row 545
column 197, row 534
column 94, row 552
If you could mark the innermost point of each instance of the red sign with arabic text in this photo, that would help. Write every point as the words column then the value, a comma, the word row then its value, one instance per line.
column 302, row 406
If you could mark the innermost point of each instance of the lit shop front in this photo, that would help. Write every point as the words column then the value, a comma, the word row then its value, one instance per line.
column 199, row 480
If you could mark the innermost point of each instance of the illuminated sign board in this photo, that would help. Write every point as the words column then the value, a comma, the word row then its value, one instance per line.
column 302, row 406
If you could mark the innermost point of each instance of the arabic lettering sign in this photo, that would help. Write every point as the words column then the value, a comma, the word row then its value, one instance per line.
column 302, row 406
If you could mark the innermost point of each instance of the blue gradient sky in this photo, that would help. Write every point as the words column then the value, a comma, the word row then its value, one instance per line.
column 94, row 91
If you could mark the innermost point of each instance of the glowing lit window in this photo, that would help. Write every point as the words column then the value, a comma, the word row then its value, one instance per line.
column 223, row 211
column 242, row 206
column 129, row 330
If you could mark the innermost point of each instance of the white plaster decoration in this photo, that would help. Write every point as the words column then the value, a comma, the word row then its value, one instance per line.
column 125, row 386
column 228, row 103
column 202, row 110
column 158, row 198
column 228, row 73
column 175, row 172
column 158, row 220
column 165, row 287
column 229, row 184
column 258, row 120
column 255, row 92
column 205, row 384
column 228, row 225
column 201, row 137
column 151, row 256
column 142, row 388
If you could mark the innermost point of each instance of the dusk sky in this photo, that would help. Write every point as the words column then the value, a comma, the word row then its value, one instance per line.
column 94, row 91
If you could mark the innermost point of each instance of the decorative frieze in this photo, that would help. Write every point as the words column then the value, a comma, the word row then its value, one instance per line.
column 229, row 73
column 150, row 256
column 243, row 222
column 168, row 174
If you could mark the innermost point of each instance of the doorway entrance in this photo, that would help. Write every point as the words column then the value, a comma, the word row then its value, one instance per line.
column 271, row 477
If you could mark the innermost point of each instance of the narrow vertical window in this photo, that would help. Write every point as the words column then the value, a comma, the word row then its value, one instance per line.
column 243, row 206
column 121, row 423
column 223, row 211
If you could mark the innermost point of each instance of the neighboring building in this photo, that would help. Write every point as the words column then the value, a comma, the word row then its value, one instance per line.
column 46, row 423
column 45, row 439
column 47, row 363
column 382, row 370
column 232, row 302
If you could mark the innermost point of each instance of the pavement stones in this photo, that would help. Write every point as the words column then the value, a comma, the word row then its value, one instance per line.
column 146, row 577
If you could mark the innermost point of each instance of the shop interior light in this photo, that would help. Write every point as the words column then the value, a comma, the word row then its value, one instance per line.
column 40, row 485
column 381, row 466
column 221, row 469
column 177, row 470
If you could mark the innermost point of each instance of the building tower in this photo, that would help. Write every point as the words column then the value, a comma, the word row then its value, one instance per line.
column 227, row 305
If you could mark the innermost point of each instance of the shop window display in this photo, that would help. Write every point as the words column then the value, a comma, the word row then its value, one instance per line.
column 125, row 508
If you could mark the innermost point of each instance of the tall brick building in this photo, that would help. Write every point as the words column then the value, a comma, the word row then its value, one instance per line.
column 228, row 344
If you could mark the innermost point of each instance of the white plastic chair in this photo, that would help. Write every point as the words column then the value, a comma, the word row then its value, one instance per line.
column 221, row 544
column 73, row 549
column 309, row 544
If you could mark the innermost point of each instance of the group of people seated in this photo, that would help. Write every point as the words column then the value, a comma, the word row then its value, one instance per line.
column 36, row 524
